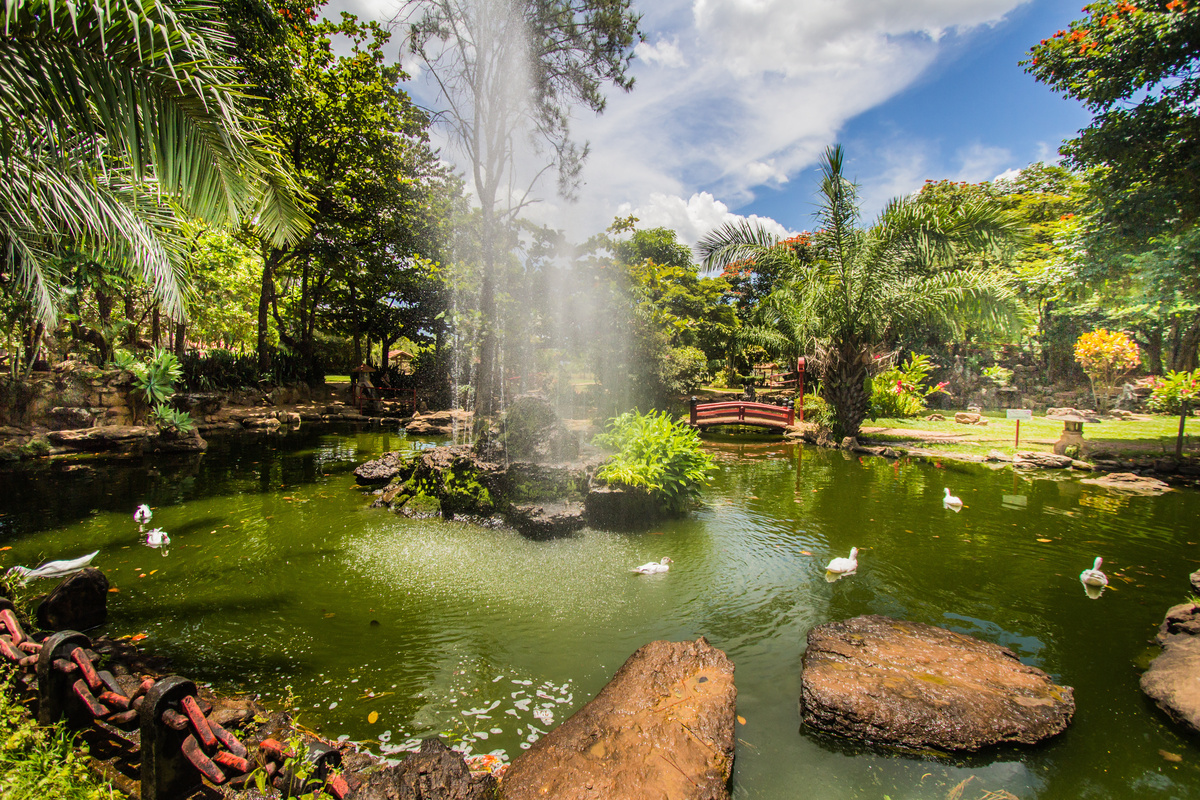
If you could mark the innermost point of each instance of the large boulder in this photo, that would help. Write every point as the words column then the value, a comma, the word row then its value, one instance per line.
column 382, row 470
column 1170, row 680
column 621, row 508
column 662, row 727
column 894, row 682
column 79, row 603
column 434, row 773
column 439, row 423
column 546, row 521
column 124, row 438
column 1030, row 459
column 1129, row 483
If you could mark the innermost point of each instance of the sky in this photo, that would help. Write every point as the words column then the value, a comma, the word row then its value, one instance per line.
column 735, row 100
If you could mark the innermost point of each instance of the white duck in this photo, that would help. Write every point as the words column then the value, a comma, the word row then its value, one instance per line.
column 142, row 516
column 53, row 569
column 950, row 501
column 158, row 538
column 844, row 566
column 654, row 567
column 1093, row 576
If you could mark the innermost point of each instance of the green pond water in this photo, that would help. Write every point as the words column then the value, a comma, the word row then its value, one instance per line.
column 279, row 575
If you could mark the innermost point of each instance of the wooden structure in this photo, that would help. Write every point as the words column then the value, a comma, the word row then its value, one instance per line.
column 742, row 412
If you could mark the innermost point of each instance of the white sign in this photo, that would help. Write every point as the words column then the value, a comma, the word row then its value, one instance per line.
column 1020, row 413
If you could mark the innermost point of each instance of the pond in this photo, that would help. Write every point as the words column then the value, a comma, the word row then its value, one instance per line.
column 280, row 580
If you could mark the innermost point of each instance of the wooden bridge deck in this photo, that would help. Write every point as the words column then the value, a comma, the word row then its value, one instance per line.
column 742, row 412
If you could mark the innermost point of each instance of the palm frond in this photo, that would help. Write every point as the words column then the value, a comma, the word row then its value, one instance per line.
column 734, row 242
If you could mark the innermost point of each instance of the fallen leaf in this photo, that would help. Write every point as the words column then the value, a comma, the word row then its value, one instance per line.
column 741, row 720
column 114, row 589
column 1045, row 540
column 153, row 571
column 1172, row 757
column 373, row 717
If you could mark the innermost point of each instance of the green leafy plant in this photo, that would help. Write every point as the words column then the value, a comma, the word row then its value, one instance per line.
column 816, row 410
column 998, row 375
column 901, row 391
column 37, row 762
column 172, row 419
column 1173, row 390
column 656, row 454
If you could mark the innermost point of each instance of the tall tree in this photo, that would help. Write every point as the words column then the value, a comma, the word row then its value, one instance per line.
column 512, row 68
column 863, row 284
column 115, row 117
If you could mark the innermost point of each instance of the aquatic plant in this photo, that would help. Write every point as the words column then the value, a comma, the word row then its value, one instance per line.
column 656, row 454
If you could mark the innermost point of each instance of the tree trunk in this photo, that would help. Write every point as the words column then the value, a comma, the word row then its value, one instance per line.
column 180, row 339
column 843, row 385
column 156, row 326
column 266, row 294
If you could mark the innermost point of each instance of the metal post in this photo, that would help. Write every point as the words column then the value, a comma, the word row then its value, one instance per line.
column 167, row 774
column 55, row 698
column 692, row 416
column 800, row 363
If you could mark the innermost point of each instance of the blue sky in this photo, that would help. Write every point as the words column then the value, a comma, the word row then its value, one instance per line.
column 736, row 99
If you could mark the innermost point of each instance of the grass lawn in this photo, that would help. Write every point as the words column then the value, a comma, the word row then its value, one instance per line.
column 1143, row 435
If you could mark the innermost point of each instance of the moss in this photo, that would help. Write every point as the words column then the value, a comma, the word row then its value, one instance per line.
column 34, row 448
column 463, row 493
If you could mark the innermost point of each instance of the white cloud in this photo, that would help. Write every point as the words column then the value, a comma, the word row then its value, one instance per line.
column 663, row 52
column 1008, row 175
column 692, row 218
column 978, row 161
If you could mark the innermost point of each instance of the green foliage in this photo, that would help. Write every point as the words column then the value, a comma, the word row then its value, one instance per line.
column 998, row 375
column 1173, row 390
column 656, row 454
column 683, row 370
column 37, row 762
column 817, row 411
column 114, row 136
column 900, row 392
column 216, row 369
column 174, row 420
column 1134, row 66
column 153, row 380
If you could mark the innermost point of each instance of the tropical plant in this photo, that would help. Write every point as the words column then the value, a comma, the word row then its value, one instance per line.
column 863, row 286
column 656, row 454
column 900, row 391
column 998, row 375
column 154, row 385
column 173, row 420
column 1174, row 392
column 1106, row 357
column 115, row 117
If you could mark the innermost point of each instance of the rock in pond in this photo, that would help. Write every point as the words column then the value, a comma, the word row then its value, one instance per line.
column 1130, row 483
column 1029, row 459
column 546, row 520
column 1171, row 680
column 894, row 682
column 79, row 603
column 662, row 727
column 434, row 773
column 381, row 470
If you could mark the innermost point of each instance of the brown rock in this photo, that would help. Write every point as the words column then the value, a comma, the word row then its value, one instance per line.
column 662, row 727
column 1129, row 483
column 79, row 603
column 910, row 684
column 966, row 418
column 113, row 437
column 1034, row 460
column 381, row 470
column 434, row 773
column 1171, row 679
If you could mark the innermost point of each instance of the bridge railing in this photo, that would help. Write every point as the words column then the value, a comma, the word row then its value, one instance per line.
column 741, row 412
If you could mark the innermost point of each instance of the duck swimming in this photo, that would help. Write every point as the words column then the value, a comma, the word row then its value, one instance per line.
column 654, row 567
column 1093, row 576
column 950, row 501
column 142, row 515
column 844, row 566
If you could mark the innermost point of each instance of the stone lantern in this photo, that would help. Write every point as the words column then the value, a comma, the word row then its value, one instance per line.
column 1072, row 435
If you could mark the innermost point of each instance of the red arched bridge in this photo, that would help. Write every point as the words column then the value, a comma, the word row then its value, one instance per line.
column 742, row 412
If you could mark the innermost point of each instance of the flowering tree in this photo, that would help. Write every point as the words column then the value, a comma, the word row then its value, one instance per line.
column 1175, row 394
column 1106, row 357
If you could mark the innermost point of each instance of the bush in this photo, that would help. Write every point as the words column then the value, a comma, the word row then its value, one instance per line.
column 816, row 410
column 683, row 370
column 217, row 369
column 901, row 391
column 1171, row 392
column 656, row 454
column 1105, row 357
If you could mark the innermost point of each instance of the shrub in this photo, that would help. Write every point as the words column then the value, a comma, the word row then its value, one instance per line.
column 656, row 454
column 1105, row 357
column 154, row 386
column 816, row 410
column 901, row 391
column 1171, row 392
column 998, row 375
column 682, row 370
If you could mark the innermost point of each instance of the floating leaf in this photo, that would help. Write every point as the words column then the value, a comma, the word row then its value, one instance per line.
column 1045, row 540
column 153, row 571
column 1172, row 757
column 741, row 720
column 373, row 717
column 114, row 589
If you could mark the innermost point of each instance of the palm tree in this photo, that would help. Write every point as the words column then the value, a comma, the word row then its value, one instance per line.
column 865, row 285
column 119, row 125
